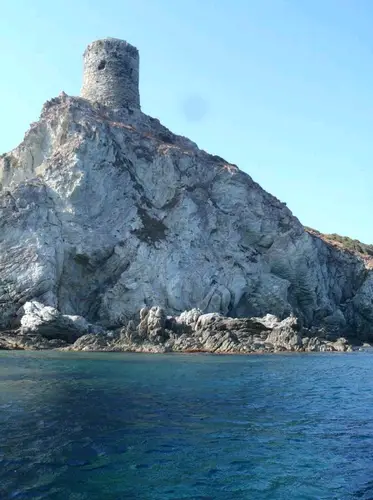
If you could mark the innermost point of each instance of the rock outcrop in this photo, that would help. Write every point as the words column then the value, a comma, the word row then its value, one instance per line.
column 51, row 324
column 18, row 340
column 211, row 333
column 104, row 211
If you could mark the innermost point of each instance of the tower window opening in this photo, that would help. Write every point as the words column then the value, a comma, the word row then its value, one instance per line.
column 101, row 65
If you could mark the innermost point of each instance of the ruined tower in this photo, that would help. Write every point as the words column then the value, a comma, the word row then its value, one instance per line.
column 111, row 74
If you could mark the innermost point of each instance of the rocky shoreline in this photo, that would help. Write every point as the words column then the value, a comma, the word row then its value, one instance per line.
column 104, row 210
column 43, row 327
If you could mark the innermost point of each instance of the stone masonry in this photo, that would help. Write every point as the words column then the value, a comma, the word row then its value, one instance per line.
column 111, row 74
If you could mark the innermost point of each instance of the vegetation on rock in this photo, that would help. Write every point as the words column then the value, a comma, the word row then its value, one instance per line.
column 346, row 243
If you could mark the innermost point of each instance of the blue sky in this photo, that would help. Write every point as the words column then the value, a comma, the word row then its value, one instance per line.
column 282, row 88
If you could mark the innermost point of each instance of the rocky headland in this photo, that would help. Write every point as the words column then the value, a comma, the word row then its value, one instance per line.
column 116, row 234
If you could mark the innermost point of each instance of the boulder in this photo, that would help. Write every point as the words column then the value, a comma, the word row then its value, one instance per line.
column 51, row 324
column 285, row 334
column 18, row 340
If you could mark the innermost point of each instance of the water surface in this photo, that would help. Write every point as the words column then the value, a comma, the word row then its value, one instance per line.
column 132, row 426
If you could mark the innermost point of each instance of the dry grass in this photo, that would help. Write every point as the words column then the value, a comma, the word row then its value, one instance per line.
column 354, row 247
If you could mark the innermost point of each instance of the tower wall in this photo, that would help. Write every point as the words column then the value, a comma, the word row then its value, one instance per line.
column 111, row 74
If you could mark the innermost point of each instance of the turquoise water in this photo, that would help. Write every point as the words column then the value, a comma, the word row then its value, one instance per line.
column 133, row 426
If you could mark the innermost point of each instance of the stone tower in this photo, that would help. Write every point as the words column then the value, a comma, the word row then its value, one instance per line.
column 111, row 74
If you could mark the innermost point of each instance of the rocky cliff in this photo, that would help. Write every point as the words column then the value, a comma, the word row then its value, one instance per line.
column 104, row 211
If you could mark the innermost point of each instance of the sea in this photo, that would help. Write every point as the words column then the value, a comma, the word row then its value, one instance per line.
column 169, row 426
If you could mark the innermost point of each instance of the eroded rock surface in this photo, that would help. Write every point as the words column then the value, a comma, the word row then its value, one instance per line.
column 18, row 340
column 104, row 212
column 51, row 324
column 211, row 332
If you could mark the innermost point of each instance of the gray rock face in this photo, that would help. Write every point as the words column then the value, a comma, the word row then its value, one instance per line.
column 212, row 333
column 104, row 212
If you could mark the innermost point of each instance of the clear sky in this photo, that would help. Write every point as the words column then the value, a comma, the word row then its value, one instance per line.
column 282, row 88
